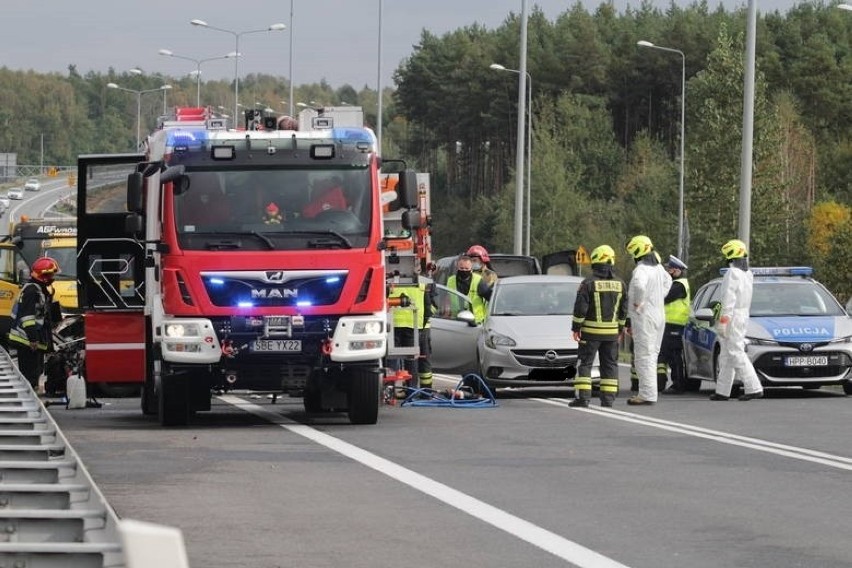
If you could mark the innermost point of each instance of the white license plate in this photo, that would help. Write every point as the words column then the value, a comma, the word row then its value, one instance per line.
column 806, row 361
column 276, row 345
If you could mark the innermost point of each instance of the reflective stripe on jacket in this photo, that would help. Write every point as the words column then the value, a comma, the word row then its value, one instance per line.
column 28, row 317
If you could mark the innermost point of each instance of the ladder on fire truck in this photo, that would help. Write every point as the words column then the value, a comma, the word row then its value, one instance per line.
column 51, row 511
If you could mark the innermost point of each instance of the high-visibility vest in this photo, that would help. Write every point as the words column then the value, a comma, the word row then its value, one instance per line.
column 404, row 317
column 677, row 312
column 477, row 302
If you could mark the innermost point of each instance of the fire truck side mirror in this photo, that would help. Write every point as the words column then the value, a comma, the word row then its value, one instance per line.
column 407, row 188
column 411, row 219
column 135, row 182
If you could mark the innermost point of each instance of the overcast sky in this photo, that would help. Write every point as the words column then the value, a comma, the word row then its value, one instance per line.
column 335, row 40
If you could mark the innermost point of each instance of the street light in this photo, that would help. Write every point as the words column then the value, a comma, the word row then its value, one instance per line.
column 498, row 67
column 137, row 71
column 138, row 94
column 273, row 28
column 198, row 62
column 680, row 214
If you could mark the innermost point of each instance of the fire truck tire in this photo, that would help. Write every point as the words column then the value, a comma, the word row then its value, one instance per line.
column 173, row 401
column 148, row 398
column 364, row 394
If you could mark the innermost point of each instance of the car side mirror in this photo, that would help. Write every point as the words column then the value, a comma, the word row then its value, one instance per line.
column 704, row 314
column 467, row 316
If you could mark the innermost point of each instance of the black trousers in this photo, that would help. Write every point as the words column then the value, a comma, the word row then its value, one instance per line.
column 671, row 353
column 31, row 363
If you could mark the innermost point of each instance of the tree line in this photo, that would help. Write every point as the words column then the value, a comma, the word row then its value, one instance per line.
column 605, row 129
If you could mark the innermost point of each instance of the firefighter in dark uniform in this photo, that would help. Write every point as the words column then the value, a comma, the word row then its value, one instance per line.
column 599, row 318
column 32, row 324
column 677, row 314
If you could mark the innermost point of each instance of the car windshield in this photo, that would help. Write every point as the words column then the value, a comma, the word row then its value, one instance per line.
column 534, row 299
column 803, row 298
column 275, row 209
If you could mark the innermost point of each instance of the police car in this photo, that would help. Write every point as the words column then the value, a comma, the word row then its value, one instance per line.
column 798, row 333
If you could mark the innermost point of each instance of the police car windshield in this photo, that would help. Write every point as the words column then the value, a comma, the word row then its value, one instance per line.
column 792, row 298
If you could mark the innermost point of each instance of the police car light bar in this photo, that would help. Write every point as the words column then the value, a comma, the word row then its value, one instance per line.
column 784, row 271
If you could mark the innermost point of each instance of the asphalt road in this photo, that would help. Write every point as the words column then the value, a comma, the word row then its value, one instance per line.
column 685, row 483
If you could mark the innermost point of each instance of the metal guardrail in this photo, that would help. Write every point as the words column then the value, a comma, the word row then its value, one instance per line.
column 52, row 515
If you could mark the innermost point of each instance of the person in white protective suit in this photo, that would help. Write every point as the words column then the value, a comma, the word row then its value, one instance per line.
column 731, row 326
column 646, row 293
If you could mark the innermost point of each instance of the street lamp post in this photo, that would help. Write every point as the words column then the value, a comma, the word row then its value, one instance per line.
column 137, row 71
column 498, row 67
column 273, row 28
column 138, row 94
column 198, row 62
column 291, row 58
column 680, row 212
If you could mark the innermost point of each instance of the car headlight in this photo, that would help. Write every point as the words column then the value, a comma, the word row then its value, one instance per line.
column 755, row 341
column 847, row 339
column 371, row 327
column 494, row 339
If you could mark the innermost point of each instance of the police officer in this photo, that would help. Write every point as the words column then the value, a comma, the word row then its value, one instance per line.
column 599, row 317
column 677, row 314
column 31, row 330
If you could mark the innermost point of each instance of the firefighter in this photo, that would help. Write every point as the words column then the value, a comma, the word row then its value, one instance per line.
column 599, row 318
column 421, row 297
column 32, row 317
column 735, row 298
column 677, row 314
column 482, row 263
column 648, row 287
column 470, row 284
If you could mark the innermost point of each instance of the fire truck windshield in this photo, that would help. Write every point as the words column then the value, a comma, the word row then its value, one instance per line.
column 276, row 209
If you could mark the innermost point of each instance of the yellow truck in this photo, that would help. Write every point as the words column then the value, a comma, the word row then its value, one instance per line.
column 11, row 280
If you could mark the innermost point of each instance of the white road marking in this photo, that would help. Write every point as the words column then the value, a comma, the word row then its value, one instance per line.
column 795, row 452
column 537, row 536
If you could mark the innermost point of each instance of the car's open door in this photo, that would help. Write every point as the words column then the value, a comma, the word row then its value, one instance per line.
column 110, row 270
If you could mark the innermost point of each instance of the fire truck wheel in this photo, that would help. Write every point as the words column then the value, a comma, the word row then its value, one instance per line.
column 364, row 394
column 173, row 401
column 148, row 398
column 312, row 398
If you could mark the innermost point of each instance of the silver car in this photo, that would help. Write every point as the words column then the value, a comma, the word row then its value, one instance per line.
column 798, row 333
column 15, row 193
column 525, row 339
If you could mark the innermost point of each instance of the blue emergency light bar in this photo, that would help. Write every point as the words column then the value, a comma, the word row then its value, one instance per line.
column 804, row 271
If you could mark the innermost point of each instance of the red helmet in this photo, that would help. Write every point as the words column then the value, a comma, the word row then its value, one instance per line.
column 478, row 251
column 44, row 269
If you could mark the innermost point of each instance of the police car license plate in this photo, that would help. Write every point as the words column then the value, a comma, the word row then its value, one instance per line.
column 276, row 345
column 806, row 361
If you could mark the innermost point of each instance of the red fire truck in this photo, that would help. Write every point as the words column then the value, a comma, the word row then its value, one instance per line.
column 248, row 258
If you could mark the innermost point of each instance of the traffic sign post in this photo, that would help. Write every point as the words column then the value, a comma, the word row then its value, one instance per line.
column 582, row 257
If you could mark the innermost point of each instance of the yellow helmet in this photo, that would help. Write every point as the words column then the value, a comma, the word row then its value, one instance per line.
column 603, row 255
column 639, row 246
column 734, row 248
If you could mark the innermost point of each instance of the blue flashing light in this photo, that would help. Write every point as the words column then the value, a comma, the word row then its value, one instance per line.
column 332, row 280
column 216, row 281
column 353, row 135
column 304, row 303
column 186, row 139
column 245, row 304
column 784, row 271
